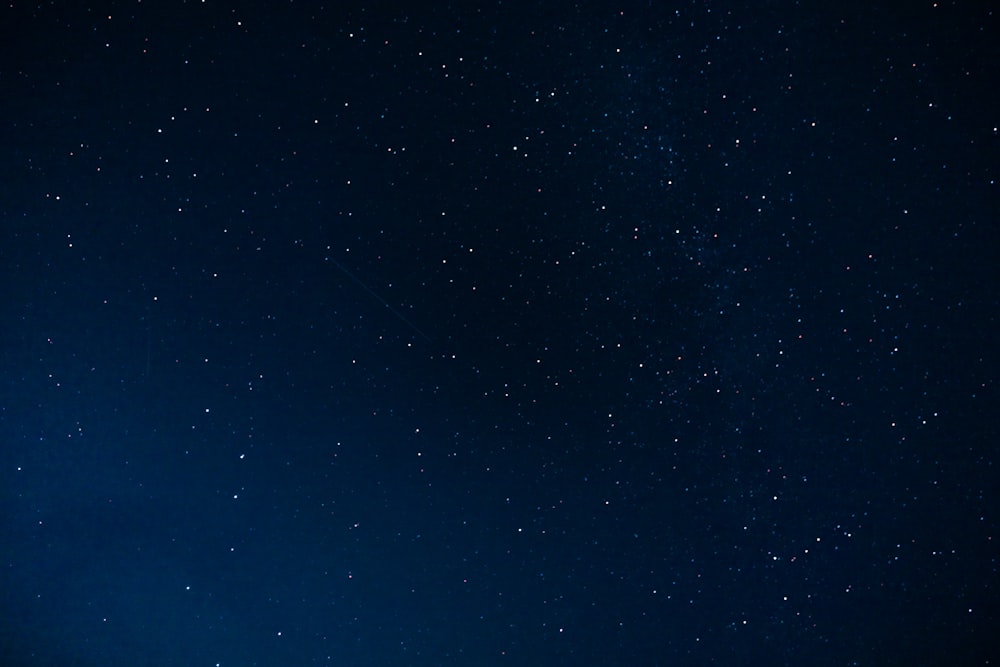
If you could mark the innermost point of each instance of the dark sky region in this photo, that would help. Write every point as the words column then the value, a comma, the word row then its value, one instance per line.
column 499, row 333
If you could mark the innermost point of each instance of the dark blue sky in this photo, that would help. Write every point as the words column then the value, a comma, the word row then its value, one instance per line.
column 502, row 334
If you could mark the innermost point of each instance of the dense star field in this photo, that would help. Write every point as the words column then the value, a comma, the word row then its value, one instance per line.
column 501, row 333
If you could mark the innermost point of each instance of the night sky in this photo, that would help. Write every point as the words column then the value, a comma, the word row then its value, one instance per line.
column 500, row 333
